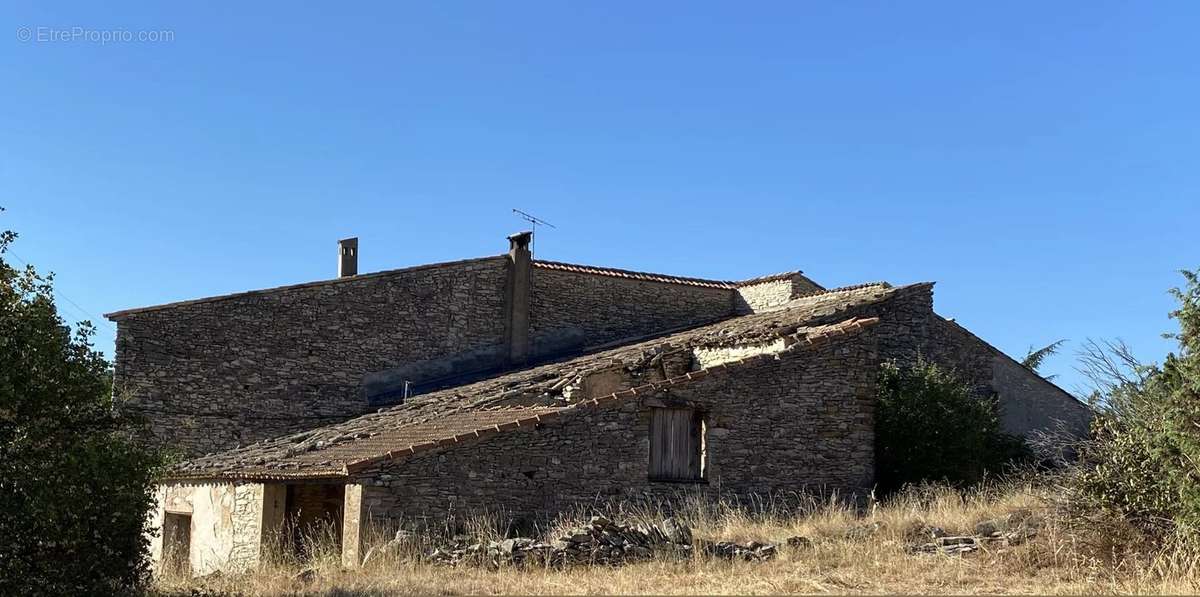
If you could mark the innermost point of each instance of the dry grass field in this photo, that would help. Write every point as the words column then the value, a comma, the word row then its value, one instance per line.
column 1067, row 556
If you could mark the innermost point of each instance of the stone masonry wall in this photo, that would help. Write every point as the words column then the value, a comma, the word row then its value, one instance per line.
column 756, row 297
column 570, row 310
column 800, row 423
column 909, row 327
column 216, row 373
column 226, row 523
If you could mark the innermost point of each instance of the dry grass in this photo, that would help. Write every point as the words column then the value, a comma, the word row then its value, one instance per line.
column 1065, row 558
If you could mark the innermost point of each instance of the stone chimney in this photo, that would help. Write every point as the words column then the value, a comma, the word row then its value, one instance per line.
column 347, row 257
column 517, row 289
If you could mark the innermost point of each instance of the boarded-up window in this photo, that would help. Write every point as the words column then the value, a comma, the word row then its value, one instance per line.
column 676, row 444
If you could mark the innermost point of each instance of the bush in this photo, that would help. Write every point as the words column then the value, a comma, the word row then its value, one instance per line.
column 75, row 485
column 930, row 427
column 1143, row 458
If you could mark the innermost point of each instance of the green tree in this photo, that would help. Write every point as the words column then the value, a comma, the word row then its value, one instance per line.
column 75, row 481
column 1143, row 459
column 1034, row 358
column 930, row 427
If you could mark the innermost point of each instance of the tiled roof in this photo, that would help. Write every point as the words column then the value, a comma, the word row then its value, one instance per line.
column 333, row 454
column 437, row 418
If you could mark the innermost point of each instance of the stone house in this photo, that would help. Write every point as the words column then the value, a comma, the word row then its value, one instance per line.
column 507, row 383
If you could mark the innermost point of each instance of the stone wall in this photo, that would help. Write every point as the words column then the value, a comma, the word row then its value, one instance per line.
column 214, row 373
column 227, row 523
column 1028, row 404
column 771, row 292
column 571, row 310
column 799, row 423
column 762, row 296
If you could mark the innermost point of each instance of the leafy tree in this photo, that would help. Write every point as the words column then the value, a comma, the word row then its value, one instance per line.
column 930, row 427
column 1033, row 359
column 75, row 482
column 1143, row 459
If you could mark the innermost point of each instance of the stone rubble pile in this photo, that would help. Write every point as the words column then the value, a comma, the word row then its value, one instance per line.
column 1011, row 529
column 600, row 541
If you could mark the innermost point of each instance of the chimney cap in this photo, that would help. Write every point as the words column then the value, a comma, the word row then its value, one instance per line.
column 520, row 240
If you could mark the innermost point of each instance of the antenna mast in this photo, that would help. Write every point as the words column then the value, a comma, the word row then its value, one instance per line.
column 534, row 221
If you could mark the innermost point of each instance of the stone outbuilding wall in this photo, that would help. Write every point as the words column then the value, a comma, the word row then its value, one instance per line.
column 802, row 422
column 228, row 524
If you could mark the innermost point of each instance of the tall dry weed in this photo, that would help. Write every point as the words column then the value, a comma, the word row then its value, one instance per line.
column 1067, row 556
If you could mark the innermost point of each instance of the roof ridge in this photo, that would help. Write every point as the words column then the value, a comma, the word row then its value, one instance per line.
column 881, row 284
column 299, row 286
column 632, row 274
column 768, row 278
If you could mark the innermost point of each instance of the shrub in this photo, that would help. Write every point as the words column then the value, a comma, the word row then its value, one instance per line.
column 930, row 427
column 1143, row 458
column 75, row 485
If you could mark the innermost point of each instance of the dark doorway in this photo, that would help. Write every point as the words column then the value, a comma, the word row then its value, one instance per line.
column 177, row 543
column 313, row 517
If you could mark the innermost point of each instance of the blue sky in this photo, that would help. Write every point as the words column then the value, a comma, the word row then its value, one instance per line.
column 1037, row 160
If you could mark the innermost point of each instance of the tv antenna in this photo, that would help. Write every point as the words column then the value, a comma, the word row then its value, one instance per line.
column 535, row 221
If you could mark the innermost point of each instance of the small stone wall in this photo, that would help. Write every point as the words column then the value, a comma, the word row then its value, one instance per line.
column 761, row 296
column 227, row 523
column 710, row 357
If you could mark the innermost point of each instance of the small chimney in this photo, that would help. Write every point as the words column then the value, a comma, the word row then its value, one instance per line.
column 517, row 289
column 519, row 243
column 347, row 257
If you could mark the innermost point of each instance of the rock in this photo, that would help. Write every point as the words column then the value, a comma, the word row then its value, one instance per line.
column 753, row 551
column 601, row 542
column 922, row 533
column 675, row 531
column 948, row 546
column 950, row 541
column 1016, row 527
column 580, row 536
column 862, row 531
column 989, row 528
column 799, row 542
column 765, row 552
